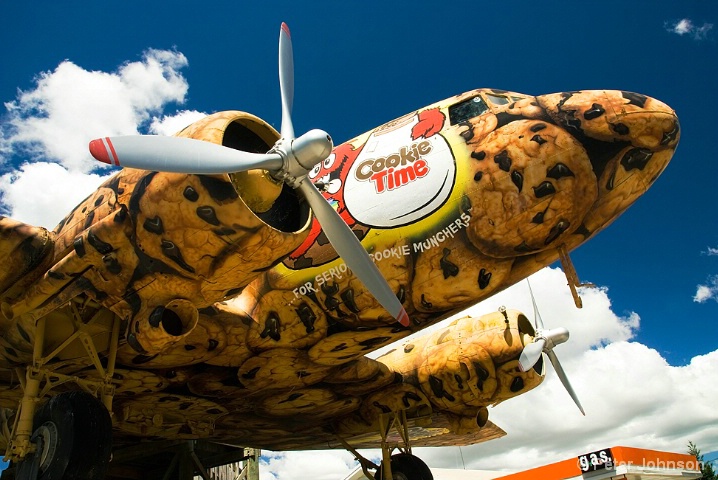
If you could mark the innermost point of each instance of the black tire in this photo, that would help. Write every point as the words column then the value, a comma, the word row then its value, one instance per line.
column 92, row 446
column 77, row 434
column 54, row 427
column 405, row 466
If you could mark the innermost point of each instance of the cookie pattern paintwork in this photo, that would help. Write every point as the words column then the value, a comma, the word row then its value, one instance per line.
column 238, row 322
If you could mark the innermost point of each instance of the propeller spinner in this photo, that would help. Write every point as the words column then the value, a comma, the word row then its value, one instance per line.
column 290, row 160
column 544, row 342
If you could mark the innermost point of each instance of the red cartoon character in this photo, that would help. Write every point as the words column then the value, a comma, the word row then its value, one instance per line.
column 330, row 178
column 430, row 123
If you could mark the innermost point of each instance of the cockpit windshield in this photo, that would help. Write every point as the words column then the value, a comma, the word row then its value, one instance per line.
column 468, row 109
column 497, row 99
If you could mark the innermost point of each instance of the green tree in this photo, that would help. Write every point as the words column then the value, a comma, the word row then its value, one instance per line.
column 706, row 468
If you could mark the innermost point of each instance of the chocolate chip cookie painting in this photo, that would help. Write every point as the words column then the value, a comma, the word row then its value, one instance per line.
column 473, row 193
column 223, row 288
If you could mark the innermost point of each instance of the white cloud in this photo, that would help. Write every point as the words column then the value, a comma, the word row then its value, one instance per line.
column 314, row 465
column 685, row 26
column 171, row 124
column 43, row 193
column 49, row 128
column 707, row 292
column 70, row 106
column 631, row 395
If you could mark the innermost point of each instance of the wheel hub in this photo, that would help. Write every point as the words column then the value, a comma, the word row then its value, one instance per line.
column 47, row 435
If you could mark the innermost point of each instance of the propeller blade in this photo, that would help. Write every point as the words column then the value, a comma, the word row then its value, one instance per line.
column 352, row 252
column 538, row 322
column 564, row 379
column 294, row 157
column 176, row 154
column 531, row 354
column 286, row 80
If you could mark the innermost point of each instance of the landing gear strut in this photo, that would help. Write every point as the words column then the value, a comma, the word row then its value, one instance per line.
column 400, row 466
column 403, row 465
column 70, row 436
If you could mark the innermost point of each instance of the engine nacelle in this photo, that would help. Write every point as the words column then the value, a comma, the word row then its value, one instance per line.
column 469, row 365
column 146, row 238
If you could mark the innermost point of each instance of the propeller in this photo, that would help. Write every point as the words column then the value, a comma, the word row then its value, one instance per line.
column 289, row 160
column 544, row 342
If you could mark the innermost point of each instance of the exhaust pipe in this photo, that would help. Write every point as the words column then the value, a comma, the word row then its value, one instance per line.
column 153, row 330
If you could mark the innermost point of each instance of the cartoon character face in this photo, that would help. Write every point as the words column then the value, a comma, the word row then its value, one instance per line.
column 330, row 177
column 324, row 175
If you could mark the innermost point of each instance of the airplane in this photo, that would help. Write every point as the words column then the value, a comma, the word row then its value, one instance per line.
column 228, row 282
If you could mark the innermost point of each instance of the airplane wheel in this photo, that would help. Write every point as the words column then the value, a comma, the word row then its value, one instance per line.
column 75, row 439
column 405, row 466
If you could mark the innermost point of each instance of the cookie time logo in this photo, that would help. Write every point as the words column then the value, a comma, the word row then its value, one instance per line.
column 396, row 170
column 398, row 178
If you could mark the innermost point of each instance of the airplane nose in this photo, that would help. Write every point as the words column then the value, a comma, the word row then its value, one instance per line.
column 557, row 168
column 644, row 121
column 617, row 127
column 614, row 116
column 629, row 139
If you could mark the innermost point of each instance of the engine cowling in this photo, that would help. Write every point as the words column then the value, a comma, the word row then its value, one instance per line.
column 144, row 239
column 468, row 365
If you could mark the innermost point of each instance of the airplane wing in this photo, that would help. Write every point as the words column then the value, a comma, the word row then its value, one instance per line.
column 281, row 400
column 437, row 432
column 234, row 379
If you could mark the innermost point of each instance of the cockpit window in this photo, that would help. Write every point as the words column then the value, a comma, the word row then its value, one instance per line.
column 497, row 99
column 463, row 111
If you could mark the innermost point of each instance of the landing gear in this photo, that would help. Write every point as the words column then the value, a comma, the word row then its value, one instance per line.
column 402, row 465
column 70, row 436
column 73, row 436
column 405, row 466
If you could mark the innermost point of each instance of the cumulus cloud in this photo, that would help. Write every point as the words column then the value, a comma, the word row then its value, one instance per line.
column 708, row 291
column 631, row 395
column 685, row 26
column 314, row 465
column 44, row 193
column 70, row 106
column 171, row 124
column 46, row 130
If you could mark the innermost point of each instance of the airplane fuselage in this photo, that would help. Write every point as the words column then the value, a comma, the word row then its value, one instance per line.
column 454, row 202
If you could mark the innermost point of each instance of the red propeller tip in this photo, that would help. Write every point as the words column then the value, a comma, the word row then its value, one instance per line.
column 285, row 27
column 403, row 318
column 102, row 152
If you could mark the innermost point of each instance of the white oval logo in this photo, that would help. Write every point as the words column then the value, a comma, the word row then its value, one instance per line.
column 397, row 180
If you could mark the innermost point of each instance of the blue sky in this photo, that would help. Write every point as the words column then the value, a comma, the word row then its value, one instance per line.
column 360, row 64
